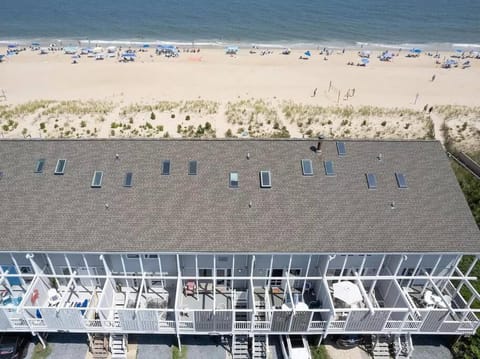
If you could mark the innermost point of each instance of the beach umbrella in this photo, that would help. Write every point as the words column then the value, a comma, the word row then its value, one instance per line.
column 12, row 46
column 347, row 292
column 416, row 50
column 36, row 44
column 458, row 51
column 146, row 46
column 365, row 60
column 98, row 50
column 75, row 56
column 307, row 53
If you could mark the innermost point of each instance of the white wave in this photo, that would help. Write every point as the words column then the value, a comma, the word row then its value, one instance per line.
column 467, row 45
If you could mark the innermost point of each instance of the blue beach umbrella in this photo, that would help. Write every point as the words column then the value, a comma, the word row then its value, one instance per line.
column 459, row 51
column 146, row 46
column 35, row 44
column 365, row 60
column 416, row 50
column 12, row 46
column 307, row 53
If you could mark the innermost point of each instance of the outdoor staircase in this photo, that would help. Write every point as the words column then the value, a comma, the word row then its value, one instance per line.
column 260, row 305
column 401, row 346
column 240, row 347
column 118, row 346
column 260, row 347
column 240, row 302
column 385, row 346
column 98, row 347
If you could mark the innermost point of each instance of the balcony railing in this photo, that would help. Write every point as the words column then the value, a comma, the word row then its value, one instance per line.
column 263, row 325
column 243, row 325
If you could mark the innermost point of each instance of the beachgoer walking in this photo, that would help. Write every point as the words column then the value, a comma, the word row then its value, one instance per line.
column 430, row 110
column 314, row 92
column 425, row 108
column 433, row 78
column 416, row 98
column 353, row 92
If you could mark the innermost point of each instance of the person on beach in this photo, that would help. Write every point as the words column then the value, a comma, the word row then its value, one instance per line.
column 314, row 92
column 416, row 98
column 433, row 78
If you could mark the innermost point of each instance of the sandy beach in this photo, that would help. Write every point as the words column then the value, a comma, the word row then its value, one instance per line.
column 398, row 91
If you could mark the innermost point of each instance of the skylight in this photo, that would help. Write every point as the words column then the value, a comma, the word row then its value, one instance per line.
column 371, row 181
column 401, row 180
column 192, row 168
column 60, row 167
column 307, row 168
column 341, row 149
column 166, row 167
column 39, row 166
column 329, row 171
column 265, row 179
column 128, row 179
column 233, row 180
column 97, row 179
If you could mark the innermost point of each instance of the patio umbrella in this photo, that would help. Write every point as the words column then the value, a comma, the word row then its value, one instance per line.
column 307, row 53
column 347, row 292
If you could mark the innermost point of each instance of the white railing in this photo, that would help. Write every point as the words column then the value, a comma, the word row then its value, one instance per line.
column 337, row 324
column 186, row 325
column 93, row 323
column 412, row 325
column 166, row 324
column 393, row 324
column 265, row 325
column 36, row 323
column 18, row 323
column 317, row 325
column 243, row 325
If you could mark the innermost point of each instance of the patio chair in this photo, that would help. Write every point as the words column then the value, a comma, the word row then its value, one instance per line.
column 189, row 289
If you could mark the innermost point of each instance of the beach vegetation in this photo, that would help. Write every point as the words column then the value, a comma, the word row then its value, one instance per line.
column 112, row 133
column 187, row 118
column 83, row 124
column 384, row 123
column 166, row 135
column 42, row 125
column 229, row 133
column 319, row 352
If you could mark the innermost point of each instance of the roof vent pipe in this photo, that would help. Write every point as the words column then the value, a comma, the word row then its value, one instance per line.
column 319, row 144
column 392, row 205
column 107, row 206
column 380, row 157
column 117, row 156
column 248, row 155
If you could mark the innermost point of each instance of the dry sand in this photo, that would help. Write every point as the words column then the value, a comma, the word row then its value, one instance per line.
column 223, row 80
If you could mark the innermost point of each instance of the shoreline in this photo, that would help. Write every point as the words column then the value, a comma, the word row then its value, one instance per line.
column 247, row 44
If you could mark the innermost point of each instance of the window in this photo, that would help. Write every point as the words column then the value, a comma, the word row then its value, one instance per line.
column 307, row 168
column 265, row 180
column 166, row 167
column 401, row 180
column 127, row 182
column 329, row 171
column 60, row 167
column 39, row 166
column 97, row 179
column 132, row 256
column 151, row 256
column 371, row 181
column 192, row 168
column 233, row 180
column 26, row 270
column 341, row 149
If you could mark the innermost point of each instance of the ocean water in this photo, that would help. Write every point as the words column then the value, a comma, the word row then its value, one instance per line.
column 342, row 23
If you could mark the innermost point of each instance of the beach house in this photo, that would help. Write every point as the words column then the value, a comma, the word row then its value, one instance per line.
column 236, row 238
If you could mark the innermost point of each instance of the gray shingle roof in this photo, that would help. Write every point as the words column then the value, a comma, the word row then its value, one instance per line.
column 181, row 212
